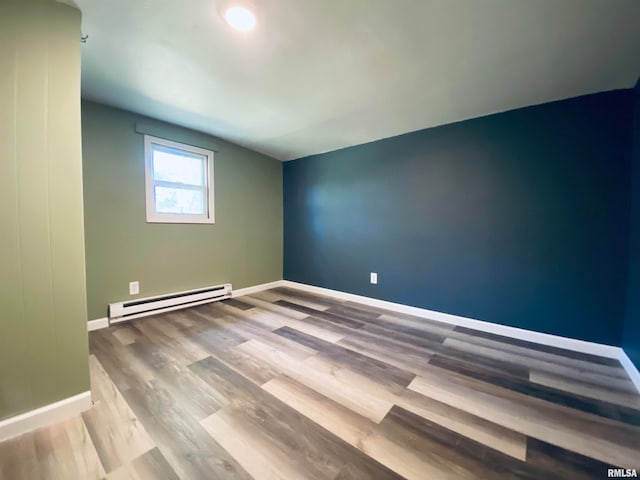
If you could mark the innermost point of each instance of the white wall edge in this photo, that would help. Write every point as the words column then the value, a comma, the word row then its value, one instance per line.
column 256, row 288
column 98, row 324
column 599, row 349
column 44, row 416
column 630, row 368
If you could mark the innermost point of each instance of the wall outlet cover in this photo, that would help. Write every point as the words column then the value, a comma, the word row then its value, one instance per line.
column 373, row 278
column 134, row 288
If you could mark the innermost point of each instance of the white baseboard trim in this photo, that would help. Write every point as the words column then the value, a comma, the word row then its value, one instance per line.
column 256, row 288
column 630, row 368
column 98, row 324
column 599, row 349
column 44, row 416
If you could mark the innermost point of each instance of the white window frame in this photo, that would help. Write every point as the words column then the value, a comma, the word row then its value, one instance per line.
column 150, row 183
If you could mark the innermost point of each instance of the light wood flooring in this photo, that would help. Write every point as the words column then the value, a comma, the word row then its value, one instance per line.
column 287, row 385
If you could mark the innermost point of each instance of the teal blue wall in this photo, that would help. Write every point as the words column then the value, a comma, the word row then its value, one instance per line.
column 519, row 218
column 631, row 337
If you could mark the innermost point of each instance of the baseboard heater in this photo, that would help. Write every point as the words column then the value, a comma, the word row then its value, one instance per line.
column 141, row 307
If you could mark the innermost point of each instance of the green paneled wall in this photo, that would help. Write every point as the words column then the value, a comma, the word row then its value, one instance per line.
column 243, row 247
column 43, row 337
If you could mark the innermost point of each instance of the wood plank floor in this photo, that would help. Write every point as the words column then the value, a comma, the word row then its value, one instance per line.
column 287, row 385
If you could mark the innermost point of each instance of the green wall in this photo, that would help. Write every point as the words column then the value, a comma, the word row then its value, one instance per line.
column 243, row 247
column 43, row 334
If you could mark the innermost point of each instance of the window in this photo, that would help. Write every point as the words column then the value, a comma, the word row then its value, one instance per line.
column 179, row 182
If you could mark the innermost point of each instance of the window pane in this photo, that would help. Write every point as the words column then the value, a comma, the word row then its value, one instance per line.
column 171, row 166
column 180, row 200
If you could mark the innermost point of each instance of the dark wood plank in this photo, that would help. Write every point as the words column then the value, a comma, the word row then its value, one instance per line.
column 187, row 389
column 612, row 362
column 318, row 453
column 370, row 367
column 366, row 470
column 332, row 317
column 237, row 304
column 144, row 362
column 476, row 460
column 621, row 393
column 187, row 447
column 391, row 317
column 329, row 325
column 591, row 435
column 538, row 361
column 407, row 336
column 311, row 297
column 246, row 365
column 114, row 358
column 208, row 310
column 384, row 328
column 250, row 329
column 229, row 386
column 498, row 366
column 603, row 409
column 362, row 314
column 453, row 455
column 388, row 351
column 216, row 333
column 159, row 335
column 564, row 463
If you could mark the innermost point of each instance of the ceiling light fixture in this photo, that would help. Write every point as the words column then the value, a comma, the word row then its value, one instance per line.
column 240, row 17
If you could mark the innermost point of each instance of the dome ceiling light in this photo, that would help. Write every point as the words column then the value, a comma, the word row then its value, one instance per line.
column 240, row 16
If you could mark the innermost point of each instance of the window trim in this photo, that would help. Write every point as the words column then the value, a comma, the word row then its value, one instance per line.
column 155, row 217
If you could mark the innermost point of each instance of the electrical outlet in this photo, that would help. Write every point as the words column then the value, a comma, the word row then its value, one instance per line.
column 373, row 278
column 134, row 288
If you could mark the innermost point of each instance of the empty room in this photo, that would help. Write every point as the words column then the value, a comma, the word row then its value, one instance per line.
column 319, row 239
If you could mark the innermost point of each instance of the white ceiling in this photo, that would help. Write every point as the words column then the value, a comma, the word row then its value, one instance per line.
column 318, row 75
